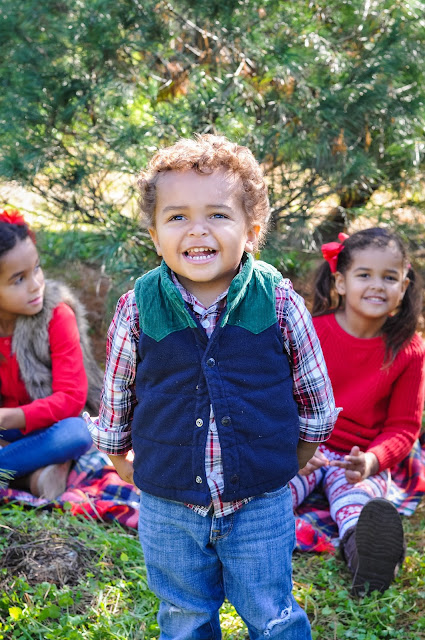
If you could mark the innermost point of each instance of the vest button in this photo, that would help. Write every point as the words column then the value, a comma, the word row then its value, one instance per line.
column 226, row 421
column 211, row 362
column 199, row 422
column 198, row 479
column 234, row 479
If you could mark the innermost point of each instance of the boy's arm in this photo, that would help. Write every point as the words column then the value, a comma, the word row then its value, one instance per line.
column 312, row 387
column 111, row 433
column 305, row 451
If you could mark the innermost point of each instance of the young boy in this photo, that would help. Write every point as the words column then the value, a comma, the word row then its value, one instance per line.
column 216, row 380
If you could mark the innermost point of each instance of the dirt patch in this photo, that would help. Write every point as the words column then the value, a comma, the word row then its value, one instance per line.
column 44, row 557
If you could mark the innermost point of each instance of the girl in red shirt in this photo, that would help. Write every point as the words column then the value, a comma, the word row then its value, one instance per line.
column 43, row 381
column 367, row 304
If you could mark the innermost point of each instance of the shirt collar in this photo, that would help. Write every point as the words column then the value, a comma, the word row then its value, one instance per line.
column 189, row 298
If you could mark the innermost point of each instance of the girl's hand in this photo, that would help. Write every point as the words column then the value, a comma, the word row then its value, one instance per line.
column 358, row 465
column 11, row 418
column 316, row 462
column 124, row 467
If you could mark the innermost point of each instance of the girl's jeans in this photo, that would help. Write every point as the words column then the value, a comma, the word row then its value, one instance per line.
column 345, row 500
column 194, row 562
column 65, row 440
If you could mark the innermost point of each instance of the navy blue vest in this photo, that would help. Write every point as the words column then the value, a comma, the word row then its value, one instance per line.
column 242, row 371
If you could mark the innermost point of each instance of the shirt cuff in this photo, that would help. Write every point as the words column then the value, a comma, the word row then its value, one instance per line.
column 318, row 429
column 110, row 441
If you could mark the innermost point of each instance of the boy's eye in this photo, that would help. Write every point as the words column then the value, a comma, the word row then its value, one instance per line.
column 218, row 215
column 19, row 280
column 177, row 216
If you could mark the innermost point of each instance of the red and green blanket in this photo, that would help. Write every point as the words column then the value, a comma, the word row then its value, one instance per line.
column 95, row 490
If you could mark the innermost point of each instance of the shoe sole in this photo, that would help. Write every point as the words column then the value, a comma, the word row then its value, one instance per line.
column 380, row 546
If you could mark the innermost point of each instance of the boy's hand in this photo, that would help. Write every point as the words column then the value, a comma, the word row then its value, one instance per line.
column 316, row 462
column 124, row 467
column 358, row 465
column 305, row 451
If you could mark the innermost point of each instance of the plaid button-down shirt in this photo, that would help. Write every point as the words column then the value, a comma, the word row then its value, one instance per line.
column 312, row 388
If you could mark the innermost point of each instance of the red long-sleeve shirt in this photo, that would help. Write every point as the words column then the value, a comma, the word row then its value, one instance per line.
column 69, row 382
column 381, row 407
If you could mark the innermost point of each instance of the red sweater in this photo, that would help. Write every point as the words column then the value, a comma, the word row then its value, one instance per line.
column 381, row 408
column 69, row 377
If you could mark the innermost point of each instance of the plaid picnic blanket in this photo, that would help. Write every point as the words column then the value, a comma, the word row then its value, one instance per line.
column 95, row 490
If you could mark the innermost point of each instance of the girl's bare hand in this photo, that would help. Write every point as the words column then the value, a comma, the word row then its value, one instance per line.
column 358, row 465
column 11, row 418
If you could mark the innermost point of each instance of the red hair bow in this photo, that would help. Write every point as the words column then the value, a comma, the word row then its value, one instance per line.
column 331, row 251
column 12, row 217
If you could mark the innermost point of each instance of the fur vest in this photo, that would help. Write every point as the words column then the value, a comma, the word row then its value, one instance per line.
column 30, row 343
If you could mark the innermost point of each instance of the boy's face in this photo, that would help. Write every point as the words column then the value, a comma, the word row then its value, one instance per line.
column 201, row 229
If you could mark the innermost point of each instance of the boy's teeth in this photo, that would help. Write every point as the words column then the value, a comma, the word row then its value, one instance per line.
column 200, row 253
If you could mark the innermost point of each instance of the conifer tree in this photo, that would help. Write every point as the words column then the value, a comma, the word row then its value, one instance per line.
column 328, row 95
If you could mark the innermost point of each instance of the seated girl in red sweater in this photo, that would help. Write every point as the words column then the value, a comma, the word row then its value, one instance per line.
column 45, row 362
column 366, row 305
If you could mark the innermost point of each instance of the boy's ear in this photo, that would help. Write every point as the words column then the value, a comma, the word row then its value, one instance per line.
column 252, row 238
column 339, row 283
column 153, row 234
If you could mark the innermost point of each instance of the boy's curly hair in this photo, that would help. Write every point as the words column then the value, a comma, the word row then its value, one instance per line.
column 204, row 154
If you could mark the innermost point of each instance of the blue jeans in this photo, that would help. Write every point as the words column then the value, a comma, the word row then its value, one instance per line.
column 193, row 563
column 65, row 440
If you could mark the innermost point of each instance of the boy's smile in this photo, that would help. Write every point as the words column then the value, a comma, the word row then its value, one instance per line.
column 201, row 229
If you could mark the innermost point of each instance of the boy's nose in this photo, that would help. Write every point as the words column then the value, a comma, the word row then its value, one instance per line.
column 198, row 229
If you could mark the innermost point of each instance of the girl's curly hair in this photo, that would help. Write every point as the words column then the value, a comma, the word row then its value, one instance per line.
column 204, row 154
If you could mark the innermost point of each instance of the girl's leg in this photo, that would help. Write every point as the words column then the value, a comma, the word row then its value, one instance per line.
column 255, row 547
column 370, row 529
column 66, row 440
column 302, row 486
column 347, row 500
column 183, row 569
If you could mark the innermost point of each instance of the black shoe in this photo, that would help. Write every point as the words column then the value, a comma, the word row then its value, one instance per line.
column 380, row 547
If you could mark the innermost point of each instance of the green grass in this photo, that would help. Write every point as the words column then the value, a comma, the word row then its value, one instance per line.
column 65, row 577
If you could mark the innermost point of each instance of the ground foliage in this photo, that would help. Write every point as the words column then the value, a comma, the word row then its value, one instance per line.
column 329, row 96
column 62, row 577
